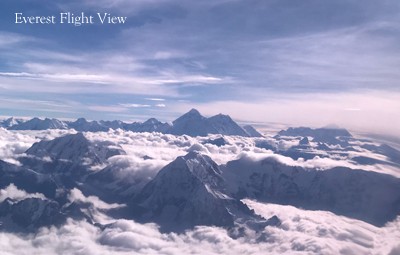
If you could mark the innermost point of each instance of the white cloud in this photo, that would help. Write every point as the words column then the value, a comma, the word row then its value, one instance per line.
column 8, row 39
column 320, row 232
column 11, row 191
column 155, row 99
column 12, row 144
column 76, row 195
column 135, row 105
column 302, row 232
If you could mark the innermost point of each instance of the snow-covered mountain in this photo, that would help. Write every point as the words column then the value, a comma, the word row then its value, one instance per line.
column 39, row 124
column 27, row 179
column 71, row 154
column 10, row 122
column 30, row 214
column 190, row 191
column 365, row 195
column 193, row 123
column 325, row 135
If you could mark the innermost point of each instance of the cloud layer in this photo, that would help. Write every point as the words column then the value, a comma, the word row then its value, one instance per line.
column 301, row 232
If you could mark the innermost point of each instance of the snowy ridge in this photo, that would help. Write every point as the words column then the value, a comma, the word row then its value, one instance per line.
column 38, row 124
column 75, row 148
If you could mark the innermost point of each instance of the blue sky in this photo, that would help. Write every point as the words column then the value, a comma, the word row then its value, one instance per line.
column 306, row 62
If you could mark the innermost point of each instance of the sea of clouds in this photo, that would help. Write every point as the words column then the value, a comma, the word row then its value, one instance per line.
column 301, row 232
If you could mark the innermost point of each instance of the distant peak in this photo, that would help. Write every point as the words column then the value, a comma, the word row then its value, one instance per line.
column 81, row 120
column 331, row 126
column 193, row 111
column 151, row 121
column 193, row 114
column 221, row 116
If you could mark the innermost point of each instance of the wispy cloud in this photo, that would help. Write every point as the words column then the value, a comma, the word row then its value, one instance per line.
column 136, row 105
column 155, row 99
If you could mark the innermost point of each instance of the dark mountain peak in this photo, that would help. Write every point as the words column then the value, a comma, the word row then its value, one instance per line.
column 194, row 124
column 191, row 123
column 191, row 115
column 81, row 121
column 152, row 121
column 220, row 141
column 190, row 191
column 304, row 141
column 193, row 111
column 193, row 167
column 202, row 166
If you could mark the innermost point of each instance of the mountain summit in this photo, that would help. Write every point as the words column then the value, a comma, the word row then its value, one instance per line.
column 69, row 154
column 190, row 191
column 193, row 123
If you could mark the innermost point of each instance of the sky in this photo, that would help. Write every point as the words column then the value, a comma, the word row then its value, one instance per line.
column 301, row 63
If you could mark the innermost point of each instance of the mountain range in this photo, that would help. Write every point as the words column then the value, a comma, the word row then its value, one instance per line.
column 191, row 123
